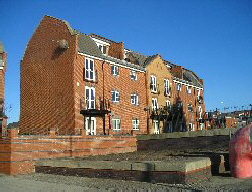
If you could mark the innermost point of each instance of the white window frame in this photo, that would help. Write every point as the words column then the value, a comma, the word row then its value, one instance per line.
column 156, row 128
column 115, row 70
column 117, row 96
column 133, row 75
column 135, row 124
column 117, row 126
column 202, row 126
column 89, row 130
column 168, row 104
column 189, row 89
column 134, row 99
column 200, row 112
column 153, row 83
column 101, row 47
column 88, row 70
column 179, row 86
column 188, row 106
column 90, row 101
column 192, row 127
column 167, row 86
column 154, row 103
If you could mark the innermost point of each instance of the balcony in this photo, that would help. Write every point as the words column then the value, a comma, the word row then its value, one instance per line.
column 101, row 107
column 160, row 113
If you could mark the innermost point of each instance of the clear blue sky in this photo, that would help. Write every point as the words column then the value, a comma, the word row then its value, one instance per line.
column 211, row 37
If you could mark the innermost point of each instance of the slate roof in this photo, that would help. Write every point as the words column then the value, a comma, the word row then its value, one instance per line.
column 88, row 46
column 191, row 77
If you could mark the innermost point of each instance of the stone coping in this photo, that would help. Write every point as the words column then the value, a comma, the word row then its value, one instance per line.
column 191, row 164
column 174, row 135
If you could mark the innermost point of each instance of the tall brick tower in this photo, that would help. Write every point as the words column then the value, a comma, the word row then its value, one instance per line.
column 3, row 66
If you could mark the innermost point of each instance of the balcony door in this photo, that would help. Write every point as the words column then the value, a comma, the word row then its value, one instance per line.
column 90, row 125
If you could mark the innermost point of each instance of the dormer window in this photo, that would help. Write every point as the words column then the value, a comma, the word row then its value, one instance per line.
column 103, row 48
column 133, row 75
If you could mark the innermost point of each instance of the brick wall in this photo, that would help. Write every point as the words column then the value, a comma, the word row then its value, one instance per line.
column 104, row 85
column 158, row 68
column 18, row 153
column 47, row 97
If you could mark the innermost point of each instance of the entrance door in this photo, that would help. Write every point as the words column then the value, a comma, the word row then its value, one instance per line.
column 90, row 126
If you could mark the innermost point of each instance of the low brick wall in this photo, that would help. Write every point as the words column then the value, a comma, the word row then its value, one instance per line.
column 185, row 171
column 18, row 153
column 183, row 140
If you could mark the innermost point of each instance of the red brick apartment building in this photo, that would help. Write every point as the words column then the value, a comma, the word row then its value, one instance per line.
column 3, row 66
column 72, row 82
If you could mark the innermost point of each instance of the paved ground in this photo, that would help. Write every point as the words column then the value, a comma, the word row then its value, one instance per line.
column 58, row 183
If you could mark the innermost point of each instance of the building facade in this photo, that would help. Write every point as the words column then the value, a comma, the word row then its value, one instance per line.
column 3, row 67
column 73, row 82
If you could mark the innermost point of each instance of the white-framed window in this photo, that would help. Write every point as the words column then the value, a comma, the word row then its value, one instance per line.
column 168, row 104
column 200, row 112
column 189, row 90
column 103, row 48
column 116, row 124
column 153, row 83
column 89, row 70
column 156, row 127
column 115, row 70
column 90, row 97
column 190, row 107
column 154, row 103
column 90, row 125
column 135, row 124
column 167, row 86
column 202, row 126
column 190, row 127
column 179, row 86
column 134, row 99
column 115, row 96
column 133, row 75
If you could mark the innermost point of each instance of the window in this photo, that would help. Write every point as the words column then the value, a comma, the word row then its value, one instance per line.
column 115, row 70
column 154, row 103
column 135, row 124
column 134, row 99
column 179, row 86
column 115, row 96
column 90, row 74
column 200, row 112
column 189, row 90
column 116, row 124
column 90, row 97
column 153, row 84
column 190, row 127
column 198, row 95
column 202, row 126
column 167, row 86
column 190, row 107
column 168, row 104
column 133, row 75
column 156, row 127
column 103, row 48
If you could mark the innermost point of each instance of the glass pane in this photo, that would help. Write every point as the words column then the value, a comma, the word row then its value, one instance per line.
column 91, row 65
column 92, row 94
column 87, row 64
column 114, row 124
column 87, row 74
column 87, row 93
column 113, row 96
column 91, row 75
column 119, row 124
column 104, row 49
